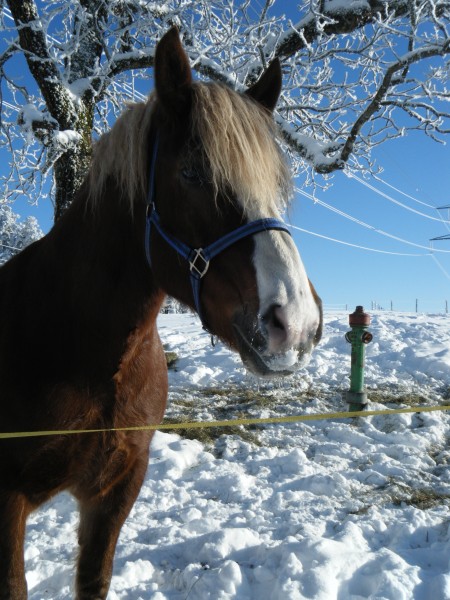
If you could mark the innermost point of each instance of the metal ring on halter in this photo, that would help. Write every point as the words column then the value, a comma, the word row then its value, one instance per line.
column 195, row 270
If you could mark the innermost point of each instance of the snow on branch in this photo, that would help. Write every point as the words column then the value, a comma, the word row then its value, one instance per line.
column 334, row 17
column 375, row 103
column 34, row 45
column 15, row 235
column 356, row 72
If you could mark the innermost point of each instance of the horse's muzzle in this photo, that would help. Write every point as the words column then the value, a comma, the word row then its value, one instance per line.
column 269, row 347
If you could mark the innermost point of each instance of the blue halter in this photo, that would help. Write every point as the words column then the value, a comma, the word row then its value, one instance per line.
column 198, row 258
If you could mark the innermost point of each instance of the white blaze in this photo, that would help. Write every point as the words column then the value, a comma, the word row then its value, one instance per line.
column 282, row 281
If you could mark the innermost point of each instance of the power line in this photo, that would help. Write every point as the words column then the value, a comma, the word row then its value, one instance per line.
column 388, row 197
column 11, row 106
column 325, row 237
column 363, row 223
column 440, row 266
column 443, row 237
column 7, row 13
column 414, row 199
column 405, row 194
column 11, row 247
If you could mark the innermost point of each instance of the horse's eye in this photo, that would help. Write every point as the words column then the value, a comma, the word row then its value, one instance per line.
column 191, row 175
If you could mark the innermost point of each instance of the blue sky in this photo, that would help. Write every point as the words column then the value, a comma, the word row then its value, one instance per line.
column 345, row 275
column 416, row 166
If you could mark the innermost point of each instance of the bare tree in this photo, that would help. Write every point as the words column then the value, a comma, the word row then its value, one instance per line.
column 355, row 74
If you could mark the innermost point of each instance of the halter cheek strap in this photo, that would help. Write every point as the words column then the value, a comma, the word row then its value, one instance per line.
column 198, row 258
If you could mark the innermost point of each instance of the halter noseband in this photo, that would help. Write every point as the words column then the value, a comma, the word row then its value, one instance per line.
column 198, row 258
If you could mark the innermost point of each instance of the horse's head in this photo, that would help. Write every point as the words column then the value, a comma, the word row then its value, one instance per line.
column 216, row 167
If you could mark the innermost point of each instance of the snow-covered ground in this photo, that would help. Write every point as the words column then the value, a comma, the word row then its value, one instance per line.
column 345, row 509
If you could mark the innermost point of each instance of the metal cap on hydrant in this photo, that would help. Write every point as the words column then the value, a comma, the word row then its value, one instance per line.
column 358, row 337
column 359, row 317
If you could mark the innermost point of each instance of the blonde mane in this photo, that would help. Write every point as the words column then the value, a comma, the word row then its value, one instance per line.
column 123, row 153
column 239, row 141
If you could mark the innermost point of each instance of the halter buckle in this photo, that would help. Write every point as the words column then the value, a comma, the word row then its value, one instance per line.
column 200, row 270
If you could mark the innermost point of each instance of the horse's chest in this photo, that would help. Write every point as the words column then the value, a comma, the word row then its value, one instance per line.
column 94, row 462
column 141, row 379
column 140, row 400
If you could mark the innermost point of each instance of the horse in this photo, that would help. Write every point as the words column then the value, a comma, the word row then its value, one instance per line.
column 183, row 198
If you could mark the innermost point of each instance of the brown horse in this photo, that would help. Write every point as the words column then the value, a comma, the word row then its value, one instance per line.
column 183, row 198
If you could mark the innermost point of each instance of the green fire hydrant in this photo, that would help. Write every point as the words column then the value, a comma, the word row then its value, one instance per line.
column 358, row 337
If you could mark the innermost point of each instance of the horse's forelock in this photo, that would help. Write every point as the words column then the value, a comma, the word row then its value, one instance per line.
column 238, row 139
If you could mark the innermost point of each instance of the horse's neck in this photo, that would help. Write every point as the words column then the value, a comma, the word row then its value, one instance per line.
column 104, row 272
column 74, row 300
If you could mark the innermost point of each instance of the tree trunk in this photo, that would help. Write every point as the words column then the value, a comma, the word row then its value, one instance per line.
column 69, row 172
column 72, row 167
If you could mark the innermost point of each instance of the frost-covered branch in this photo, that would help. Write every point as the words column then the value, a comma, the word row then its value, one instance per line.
column 333, row 18
column 356, row 73
column 382, row 92
column 33, row 43
column 15, row 234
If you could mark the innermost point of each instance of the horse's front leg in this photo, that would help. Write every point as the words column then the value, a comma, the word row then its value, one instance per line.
column 101, row 519
column 14, row 510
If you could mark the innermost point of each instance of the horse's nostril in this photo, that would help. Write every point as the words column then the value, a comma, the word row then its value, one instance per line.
column 277, row 322
column 275, row 328
column 272, row 318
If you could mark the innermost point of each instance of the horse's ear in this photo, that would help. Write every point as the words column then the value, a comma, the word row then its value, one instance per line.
column 267, row 89
column 173, row 75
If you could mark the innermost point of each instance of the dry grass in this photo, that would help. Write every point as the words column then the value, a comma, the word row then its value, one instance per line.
column 209, row 435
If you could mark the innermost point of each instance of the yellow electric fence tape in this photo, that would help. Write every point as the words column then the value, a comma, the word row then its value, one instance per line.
column 233, row 422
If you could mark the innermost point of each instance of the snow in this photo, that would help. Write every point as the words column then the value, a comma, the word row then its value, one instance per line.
column 67, row 138
column 30, row 114
column 327, row 510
